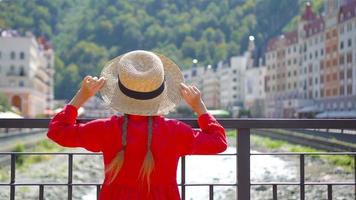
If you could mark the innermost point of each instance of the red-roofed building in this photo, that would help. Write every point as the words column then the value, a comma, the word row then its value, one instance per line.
column 325, row 68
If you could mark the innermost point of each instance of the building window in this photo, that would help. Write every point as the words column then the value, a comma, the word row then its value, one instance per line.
column 349, row 57
column 342, row 90
column 342, row 45
column 342, row 29
column 321, row 51
column 22, row 55
column 334, row 76
column 0, row 54
column 349, row 42
column 334, row 92
column 349, row 89
column 12, row 70
column 21, row 84
column 349, row 27
column 342, row 59
column 12, row 55
column 349, row 74
column 342, row 76
column 22, row 71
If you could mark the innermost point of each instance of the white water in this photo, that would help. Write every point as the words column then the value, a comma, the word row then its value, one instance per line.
column 222, row 169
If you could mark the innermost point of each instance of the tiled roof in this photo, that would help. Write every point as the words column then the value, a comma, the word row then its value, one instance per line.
column 308, row 13
column 289, row 38
column 314, row 27
column 347, row 11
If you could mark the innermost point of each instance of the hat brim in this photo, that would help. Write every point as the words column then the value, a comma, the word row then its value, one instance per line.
column 160, row 105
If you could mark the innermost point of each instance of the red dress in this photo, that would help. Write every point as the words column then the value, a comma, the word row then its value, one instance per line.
column 170, row 140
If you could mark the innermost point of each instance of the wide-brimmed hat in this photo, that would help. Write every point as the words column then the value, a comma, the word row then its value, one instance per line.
column 142, row 83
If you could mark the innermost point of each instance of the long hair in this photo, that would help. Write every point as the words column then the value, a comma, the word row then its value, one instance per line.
column 148, row 163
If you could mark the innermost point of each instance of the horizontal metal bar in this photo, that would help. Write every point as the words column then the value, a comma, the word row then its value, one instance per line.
column 222, row 154
column 187, row 184
column 303, row 153
column 96, row 184
column 305, row 183
column 226, row 122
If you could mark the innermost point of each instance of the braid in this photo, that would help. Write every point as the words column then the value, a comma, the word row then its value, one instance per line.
column 116, row 164
column 148, row 163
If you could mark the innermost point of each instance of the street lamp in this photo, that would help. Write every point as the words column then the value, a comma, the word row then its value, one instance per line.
column 195, row 61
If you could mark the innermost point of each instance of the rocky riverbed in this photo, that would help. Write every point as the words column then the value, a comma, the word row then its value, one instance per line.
column 199, row 169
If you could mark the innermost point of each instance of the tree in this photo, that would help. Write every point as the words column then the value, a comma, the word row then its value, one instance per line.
column 4, row 103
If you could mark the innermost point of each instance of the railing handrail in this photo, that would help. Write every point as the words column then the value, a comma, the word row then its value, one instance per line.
column 243, row 155
column 226, row 122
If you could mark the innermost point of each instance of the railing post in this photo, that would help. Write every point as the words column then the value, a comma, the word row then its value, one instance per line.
column 274, row 191
column 13, row 175
column 243, row 164
column 330, row 192
column 211, row 192
column 70, row 176
column 40, row 192
column 183, row 176
column 97, row 191
column 301, row 177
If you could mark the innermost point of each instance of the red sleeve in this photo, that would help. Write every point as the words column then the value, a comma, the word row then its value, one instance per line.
column 64, row 130
column 210, row 139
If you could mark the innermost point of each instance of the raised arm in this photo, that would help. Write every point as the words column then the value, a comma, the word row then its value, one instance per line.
column 63, row 128
column 210, row 138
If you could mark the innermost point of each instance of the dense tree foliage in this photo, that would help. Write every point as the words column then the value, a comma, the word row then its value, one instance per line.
column 4, row 103
column 86, row 33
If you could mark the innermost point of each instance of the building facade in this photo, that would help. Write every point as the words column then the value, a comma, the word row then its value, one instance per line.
column 255, row 91
column 320, row 57
column 26, row 72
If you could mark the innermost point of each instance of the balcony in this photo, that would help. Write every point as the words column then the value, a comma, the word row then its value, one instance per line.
column 243, row 156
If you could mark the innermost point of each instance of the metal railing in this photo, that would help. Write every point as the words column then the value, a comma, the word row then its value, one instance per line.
column 243, row 182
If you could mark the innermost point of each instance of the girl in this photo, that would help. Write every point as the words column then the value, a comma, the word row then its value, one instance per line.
column 140, row 149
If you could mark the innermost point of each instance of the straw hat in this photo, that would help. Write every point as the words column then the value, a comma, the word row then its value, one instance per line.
column 142, row 82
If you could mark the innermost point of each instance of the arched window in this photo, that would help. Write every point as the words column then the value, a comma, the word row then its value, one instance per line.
column 16, row 102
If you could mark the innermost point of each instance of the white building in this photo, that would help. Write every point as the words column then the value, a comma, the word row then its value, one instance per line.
column 255, row 91
column 26, row 72
column 96, row 108
column 232, row 82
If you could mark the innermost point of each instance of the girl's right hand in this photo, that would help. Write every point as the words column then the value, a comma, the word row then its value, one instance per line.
column 90, row 86
column 192, row 96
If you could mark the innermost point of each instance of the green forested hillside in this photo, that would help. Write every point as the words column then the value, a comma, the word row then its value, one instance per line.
column 86, row 33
